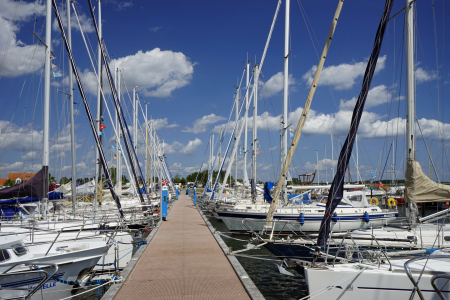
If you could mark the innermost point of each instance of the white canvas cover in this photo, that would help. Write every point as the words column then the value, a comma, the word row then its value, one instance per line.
column 420, row 188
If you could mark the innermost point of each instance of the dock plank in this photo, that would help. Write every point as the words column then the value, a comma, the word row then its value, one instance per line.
column 183, row 261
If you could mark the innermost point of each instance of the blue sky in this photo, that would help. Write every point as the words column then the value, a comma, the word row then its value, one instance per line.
column 186, row 58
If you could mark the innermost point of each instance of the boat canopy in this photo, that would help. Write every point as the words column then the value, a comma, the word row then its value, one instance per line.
column 420, row 188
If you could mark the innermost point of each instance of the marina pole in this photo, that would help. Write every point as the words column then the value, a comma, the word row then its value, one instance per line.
column 72, row 120
column 326, row 167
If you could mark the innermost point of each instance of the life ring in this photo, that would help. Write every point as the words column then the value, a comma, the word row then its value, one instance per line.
column 374, row 201
column 392, row 202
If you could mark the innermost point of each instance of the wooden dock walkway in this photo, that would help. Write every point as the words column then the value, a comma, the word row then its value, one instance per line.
column 183, row 261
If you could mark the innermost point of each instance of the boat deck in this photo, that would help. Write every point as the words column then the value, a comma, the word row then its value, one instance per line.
column 183, row 261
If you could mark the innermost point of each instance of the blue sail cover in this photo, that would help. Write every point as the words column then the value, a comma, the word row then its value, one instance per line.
column 337, row 187
column 267, row 187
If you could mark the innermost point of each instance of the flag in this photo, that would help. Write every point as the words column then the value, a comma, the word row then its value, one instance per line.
column 100, row 133
column 114, row 147
column 258, row 152
column 240, row 151
column 56, row 74
column 54, row 66
column 102, row 127
column 75, row 102
column 52, row 57
column 115, row 157
column 292, row 132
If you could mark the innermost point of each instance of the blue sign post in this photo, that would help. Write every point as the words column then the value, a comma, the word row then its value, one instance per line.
column 164, row 199
column 189, row 191
column 195, row 195
column 176, row 193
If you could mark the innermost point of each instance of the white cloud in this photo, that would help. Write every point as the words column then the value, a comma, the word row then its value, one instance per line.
column 124, row 4
column 372, row 124
column 424, row 76
column 156, row 73
column 86, row 22
column 171, row 148
column 377, row 95
column 16, row 57
column 161, row 123
column 201, row 125
column 156, row 28
column 14, row 137
column 191, row 147
column 343, row 76
column 275, row 83
column 325, row 163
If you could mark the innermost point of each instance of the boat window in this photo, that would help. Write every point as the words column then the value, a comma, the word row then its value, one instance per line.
column 321, row 210
column 356, row 198
column 4, row 255
column 447, row 238
column 19, row 249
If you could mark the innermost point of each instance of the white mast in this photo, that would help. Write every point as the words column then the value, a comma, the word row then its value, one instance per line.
column 46, row 129
column 284, row 122
column 317, row 167
column 326, row 167
column 357, row 159
column 147, row 156
column 246, row 128
column 332, row 156
column 255, row 129
column 135, row 119
column 72, row 119
column 236, row 115
column 410, row 95
column 99, row 103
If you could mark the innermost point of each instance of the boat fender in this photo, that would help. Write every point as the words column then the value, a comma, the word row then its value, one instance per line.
column 374, row 201
column 302, row 219
column 392, row 202
column 335, row 217
column 366, row 217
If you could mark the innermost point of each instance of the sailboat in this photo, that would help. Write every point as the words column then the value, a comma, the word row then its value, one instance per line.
column 386, row 277
column 353, row 210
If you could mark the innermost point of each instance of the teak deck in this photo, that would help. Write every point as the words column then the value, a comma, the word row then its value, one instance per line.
column 183, row 261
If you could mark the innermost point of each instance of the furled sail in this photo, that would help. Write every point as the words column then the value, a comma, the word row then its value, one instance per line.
column 33, row 188
column 420, row 188
column 337, row 187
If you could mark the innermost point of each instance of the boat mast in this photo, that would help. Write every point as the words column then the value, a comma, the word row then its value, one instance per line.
column 410, row 96
column 284, row 121
column 332, row 156
column 72, row 119
column 255, row 130
column 246, row 128
column 135, row 117
column 236, row 115
column 99, row 107
column 148, row 150
column 46, row 129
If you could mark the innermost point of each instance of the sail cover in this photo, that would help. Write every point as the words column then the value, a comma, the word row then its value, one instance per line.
column 337, row 187
column 420, row 188
column 33, row 188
